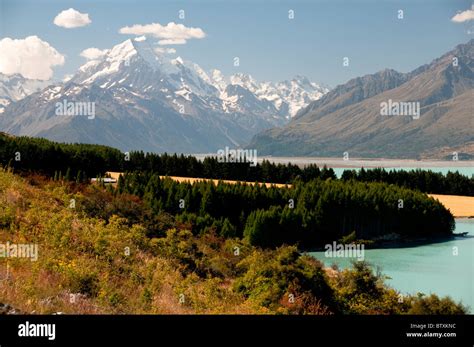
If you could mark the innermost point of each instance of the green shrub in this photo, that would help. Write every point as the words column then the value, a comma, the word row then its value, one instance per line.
column 433, row 305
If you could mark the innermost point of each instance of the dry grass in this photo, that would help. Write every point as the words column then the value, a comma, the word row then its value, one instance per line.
column 460, row 206
column 197, row 179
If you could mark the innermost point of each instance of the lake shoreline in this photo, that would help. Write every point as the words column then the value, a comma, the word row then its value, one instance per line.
column 407, row 243
column 442, row 267
column 357, row 163
column 396, row 244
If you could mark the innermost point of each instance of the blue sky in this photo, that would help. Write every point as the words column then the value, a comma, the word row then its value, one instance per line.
column 270, row 45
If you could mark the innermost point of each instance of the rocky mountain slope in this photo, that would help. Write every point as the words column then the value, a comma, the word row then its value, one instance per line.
column 350, row 118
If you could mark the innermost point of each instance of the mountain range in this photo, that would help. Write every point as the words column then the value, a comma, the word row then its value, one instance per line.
column 16, row 87
column 348, row 120
column 145, row 98
column 148, row 99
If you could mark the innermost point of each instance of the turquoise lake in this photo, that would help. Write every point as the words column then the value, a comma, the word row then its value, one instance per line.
column 429, row 268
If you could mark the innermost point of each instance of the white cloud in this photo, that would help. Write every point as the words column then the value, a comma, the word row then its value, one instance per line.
column 71, row 19
column 162, row 50
column 93, row 53
column 169, row 34
column 172, row 42
column 464, row 16
column 31, row 57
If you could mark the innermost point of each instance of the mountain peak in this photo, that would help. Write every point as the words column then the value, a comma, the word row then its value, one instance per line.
column 244, row 80
column 240, row 77
column 122, row 51
column 301, row 78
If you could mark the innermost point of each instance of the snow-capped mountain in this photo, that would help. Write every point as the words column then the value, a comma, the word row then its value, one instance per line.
column 137, row 65
column 286, row 98
column 16, row 87
column 184, row 78
column 148, row 98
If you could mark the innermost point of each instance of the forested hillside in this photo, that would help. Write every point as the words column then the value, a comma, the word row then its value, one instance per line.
column 100, row 255
column 82, row 161
column 309, row 214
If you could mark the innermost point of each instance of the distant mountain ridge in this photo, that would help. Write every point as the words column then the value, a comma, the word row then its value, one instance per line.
column 16, row 87
column 147, row 99
column 348, row 118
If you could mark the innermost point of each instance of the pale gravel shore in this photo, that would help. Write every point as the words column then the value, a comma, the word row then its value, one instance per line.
column 369, row 163
column 359, row 162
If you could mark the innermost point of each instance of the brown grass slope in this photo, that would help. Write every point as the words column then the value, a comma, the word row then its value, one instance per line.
column 349, row 118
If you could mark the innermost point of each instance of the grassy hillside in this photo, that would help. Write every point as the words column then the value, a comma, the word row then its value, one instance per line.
column 111, row 265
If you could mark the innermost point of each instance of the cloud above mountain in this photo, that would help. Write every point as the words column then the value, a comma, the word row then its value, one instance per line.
column 72, row 18
column 31, row 57
column 169, row 34
column 93, row 53
column 161, row 50
column 464, row 16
